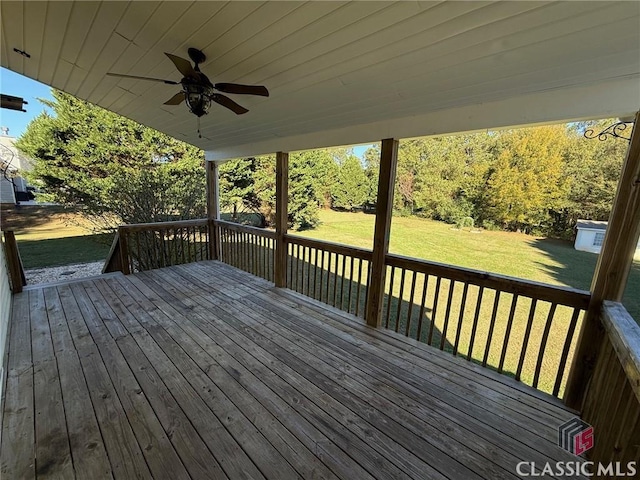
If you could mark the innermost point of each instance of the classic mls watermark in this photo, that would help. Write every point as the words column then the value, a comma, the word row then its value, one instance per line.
column 576, row 437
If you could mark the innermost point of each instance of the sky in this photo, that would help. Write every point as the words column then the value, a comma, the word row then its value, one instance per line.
column 16, row 85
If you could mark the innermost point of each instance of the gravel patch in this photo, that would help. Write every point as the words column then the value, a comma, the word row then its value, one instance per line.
column 66, row 272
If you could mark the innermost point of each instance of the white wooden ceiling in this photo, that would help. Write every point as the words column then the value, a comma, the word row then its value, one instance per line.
column 337, row 72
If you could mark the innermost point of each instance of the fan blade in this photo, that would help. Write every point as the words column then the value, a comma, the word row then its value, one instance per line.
column 177, row 99
column 242, row 89
column 183, row 66
column 230, row 104
column 169, row 82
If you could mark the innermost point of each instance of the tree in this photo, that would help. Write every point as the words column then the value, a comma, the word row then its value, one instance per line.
column 350, row 191
column 237, row 187
column 110, row 168
column 526, row 182
column 303, row 202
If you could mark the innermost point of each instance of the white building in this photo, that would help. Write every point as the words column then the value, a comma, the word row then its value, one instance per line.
column 13, row 188
column 590, row 236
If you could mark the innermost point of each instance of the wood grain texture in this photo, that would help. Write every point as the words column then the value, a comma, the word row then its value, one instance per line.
column 382, row 230
column 612, row 269
column 201, row 370
column 14, row 262
column 282, row 218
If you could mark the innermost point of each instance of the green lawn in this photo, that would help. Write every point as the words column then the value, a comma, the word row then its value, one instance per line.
column 549, row 261
column 50, row 236
column 544, row 260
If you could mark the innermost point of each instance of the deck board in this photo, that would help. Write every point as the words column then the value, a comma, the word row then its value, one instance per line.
column 204, row 371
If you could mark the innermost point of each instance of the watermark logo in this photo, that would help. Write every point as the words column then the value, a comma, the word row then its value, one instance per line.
column 575, row 436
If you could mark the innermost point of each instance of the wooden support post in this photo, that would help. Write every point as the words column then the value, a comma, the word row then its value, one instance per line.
column 282, row 218
column 612, row 270
column 14, row 262
column 213, row 209
column 384, row 208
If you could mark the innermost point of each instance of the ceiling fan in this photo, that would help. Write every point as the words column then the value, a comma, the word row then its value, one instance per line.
column 197, row 90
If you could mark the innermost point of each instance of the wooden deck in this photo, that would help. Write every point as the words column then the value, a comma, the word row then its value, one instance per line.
column 204, row 371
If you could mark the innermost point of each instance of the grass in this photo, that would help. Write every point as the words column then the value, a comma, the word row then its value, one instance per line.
column 50, row 236
column 548, row 261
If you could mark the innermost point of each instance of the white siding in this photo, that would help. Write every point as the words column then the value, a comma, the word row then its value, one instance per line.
column 6, row 192
column 5, row 311
column 584, row 240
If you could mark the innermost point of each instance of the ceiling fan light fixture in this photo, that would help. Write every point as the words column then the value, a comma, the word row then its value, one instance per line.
column 197, row 99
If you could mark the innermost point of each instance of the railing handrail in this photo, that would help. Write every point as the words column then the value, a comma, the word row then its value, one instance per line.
column 356, row 252
column 568, row 296
column 163, row 225
column 245, row 228
column 624, row 334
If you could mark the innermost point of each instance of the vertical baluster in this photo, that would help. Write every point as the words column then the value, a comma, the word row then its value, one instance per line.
column 423, row 304
column 245, row 251
column 261, row 257
column 411, row 300
column 492, row 325
column 507, row 333
column 223, row 244
column 194, row 246
column 447, row 313
column 463, row 305
column 254, row 270
column 265, row 257
column 400, row 299
column 358, row 286
column 543, row 344
column 476, row 316
column 290, row 247
column 351, row 260
column 307, row 261
column 299, row 271
column 305, row 278
column 166, row 247
column 272, row 250
column 344, row 269
column 329, row 254
column 565, row 350
column 366, row 284
column 434, row 311
column 182, row 244
column 321, row 279
column 335, row 279
column 389, row 297
column 527, row 333
column 138, row 251
column 315, row 274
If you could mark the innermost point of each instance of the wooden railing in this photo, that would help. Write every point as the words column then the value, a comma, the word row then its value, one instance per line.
column 520, row 328
column 113, row 262
column 498, row 321
column 17, row 277
column 612, row 401
column 145, row 246
column 329, row 272
column 248, row 248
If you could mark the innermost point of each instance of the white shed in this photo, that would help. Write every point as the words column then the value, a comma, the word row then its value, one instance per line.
column 590, row 235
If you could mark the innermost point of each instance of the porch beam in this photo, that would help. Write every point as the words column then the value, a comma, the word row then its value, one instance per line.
column 282, row 215
column 612, row 270
column 384, row 208
column 213, row 208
